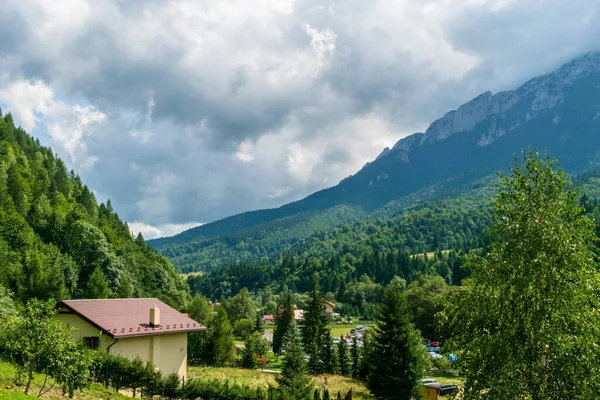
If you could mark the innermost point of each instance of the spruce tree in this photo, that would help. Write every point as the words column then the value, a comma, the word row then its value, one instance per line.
column 220, row 346
column 396, row 359
column 293, row 381
column 343, row 361
column 328, row 354
column 283, row 320
column 258, row 324
column 248, row 359
column 314, row 328
column 354, row 355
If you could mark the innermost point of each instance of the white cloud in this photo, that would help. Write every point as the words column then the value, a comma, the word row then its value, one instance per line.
column 193, row 110
column 152, row 232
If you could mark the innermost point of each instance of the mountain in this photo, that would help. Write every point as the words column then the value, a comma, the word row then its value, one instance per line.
column 558, row 112
column 56, row 242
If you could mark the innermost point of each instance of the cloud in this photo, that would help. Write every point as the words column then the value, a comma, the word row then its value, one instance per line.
column 187, row 110
column 152, row 232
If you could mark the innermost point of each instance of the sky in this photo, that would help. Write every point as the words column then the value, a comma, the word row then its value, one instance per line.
column 184, row 112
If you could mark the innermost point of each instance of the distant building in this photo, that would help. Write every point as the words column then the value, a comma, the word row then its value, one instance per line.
column 145, row 328
column 269, row 319
column 299, row 315
column 329, row 306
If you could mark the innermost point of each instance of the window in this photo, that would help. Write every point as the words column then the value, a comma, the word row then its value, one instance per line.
column 93, row 342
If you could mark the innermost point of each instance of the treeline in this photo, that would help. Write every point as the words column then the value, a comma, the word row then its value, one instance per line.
column 56, row 242
column 357, row 283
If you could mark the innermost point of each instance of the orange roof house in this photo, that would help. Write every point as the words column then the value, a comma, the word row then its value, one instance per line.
column 145, row 328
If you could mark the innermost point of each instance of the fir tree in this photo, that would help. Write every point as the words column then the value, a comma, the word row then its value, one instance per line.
column 343, row 361
column 326, row 394
column 354, row 355
column 396, row 358
column 293, row 381
column 328, row 354
column 258, row 324
column 283, row 320
column 248, row 359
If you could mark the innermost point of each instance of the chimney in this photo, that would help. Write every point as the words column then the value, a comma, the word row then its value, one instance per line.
column 155, row 316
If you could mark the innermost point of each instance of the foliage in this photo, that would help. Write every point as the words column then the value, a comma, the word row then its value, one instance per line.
column 242, row 328
column 314, row 328
column 248, row 358
column 220, row 349
column 283, row 321
column 396, row 358
column 344, row 364
column 293, row 381
column 35, row 341
column 355, row 357
column 425, row 298
column 530, row 321
column 259, row 343
column 54, row 236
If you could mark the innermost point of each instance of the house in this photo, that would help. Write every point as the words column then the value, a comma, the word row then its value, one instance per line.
column 298, row 315
column 329, row 306
column 145, row 328
column 269, row 318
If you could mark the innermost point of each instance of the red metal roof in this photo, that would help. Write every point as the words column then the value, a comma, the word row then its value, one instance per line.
column 119, row 318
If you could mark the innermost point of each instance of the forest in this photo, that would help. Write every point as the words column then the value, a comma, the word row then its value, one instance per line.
column 57, row 242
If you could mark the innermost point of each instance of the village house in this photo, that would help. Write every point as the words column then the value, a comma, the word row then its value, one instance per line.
column 144, row 328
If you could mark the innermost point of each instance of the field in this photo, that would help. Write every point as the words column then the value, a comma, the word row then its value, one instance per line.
column 256, row 379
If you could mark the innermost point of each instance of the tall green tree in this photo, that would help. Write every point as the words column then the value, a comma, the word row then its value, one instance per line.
column 294, row 383
column 531, row 328
column 97, row 286
column 343, row 359
column 283, row 320
column 248, row 359
column 328, row 355
column 220, row 348
column 355, row 357
column 396, row 357
column 314, row 326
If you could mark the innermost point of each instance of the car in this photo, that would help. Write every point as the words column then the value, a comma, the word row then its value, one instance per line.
column 336, row 340
column 448, row 389
column 435, row 355
column 360, row 328
column 427, row 381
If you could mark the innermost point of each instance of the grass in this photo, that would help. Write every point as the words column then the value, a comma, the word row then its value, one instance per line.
column 257, row 378
column 343, row 330
column 9, row 390
column 445, row 377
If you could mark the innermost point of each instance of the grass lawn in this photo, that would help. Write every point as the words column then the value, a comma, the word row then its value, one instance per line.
column 8, row 389
column 257, row 378
column 445, row 377
column 339, row 330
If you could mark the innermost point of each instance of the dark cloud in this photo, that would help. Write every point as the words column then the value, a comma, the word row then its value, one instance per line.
column 187, row 111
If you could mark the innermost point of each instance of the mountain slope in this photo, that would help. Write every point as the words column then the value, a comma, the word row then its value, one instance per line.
column 56, row 242
column 559, row 112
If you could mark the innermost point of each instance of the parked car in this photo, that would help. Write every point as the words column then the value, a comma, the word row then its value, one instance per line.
column 427, row 381
column 435, row 355
column 336, row 340
column 448, row 389
column 360, row 328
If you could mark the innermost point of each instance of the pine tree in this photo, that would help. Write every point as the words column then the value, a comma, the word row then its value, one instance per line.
column 326, row 394
column 258, row 324
column 354, row 354
column 343, row 361
column 248, row 359
column 314, row 328
column 283, row 320
column 396, row 358
column 363, row 365
column 293, row 381
column 328, row 354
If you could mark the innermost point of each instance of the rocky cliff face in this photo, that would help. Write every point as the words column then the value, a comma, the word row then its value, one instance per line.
column 525, row 103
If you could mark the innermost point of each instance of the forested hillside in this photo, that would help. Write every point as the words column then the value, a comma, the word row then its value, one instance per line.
column 557, row 112
column 56, row 242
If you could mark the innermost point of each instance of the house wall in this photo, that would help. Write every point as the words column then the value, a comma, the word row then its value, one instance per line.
column 328, row 309
column 167, row 352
